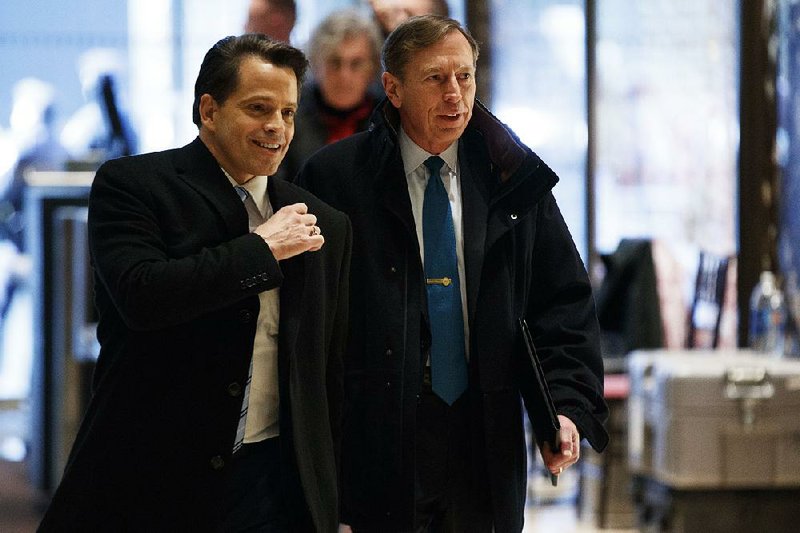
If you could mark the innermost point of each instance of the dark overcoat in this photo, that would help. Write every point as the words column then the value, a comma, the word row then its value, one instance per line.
column 520, row 261
column 177, row 282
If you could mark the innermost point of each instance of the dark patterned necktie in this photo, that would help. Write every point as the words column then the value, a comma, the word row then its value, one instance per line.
column 246, row 198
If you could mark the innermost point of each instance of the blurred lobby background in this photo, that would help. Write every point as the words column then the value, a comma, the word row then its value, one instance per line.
column 671, row 123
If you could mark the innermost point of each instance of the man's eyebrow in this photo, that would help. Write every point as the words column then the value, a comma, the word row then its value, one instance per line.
column 266, row 98
column 432, row 69
column 261, row 96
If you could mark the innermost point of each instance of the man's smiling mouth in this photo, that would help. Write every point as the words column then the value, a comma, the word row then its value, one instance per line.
column 270, row 146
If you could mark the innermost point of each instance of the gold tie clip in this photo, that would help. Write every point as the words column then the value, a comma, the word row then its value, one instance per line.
column 439, row 281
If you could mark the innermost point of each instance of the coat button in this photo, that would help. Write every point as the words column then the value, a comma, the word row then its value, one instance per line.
column 388, row 385
column 234, row 389
column 245, row 316
column 513, row 216
column 393, row 270
column 389, row 352
column 217, row 462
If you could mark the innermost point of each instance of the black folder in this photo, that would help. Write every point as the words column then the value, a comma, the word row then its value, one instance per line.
column 547, row 425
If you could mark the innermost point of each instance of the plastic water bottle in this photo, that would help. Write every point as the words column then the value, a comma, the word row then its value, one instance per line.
column 767, row 316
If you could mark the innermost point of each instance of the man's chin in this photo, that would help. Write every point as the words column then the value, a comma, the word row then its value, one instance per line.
column 271, row 167
column 450, row 135
column 454, row 129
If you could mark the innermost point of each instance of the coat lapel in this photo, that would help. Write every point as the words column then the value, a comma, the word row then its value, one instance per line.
column 475, row 172
column 394, row 194
column 391, row 186
column 292, row 289
column 197, row 167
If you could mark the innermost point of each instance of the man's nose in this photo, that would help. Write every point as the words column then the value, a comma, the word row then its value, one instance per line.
column 452, row 89
column 274, row 123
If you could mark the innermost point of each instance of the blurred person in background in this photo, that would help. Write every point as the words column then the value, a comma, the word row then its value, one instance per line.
column 33, row 144
column 33, row 134
column 390, row 13
column 344, row 52
column 273, row 18
column 100, row 129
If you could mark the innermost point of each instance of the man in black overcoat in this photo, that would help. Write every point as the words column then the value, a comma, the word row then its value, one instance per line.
column 222, row 297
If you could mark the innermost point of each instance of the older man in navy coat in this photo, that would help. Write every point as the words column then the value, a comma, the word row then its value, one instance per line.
column 456, row 236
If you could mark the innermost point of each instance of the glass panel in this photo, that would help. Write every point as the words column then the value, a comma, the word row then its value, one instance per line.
column 151, row 58
column 667, row 131
column 666, row 122
column 538, row 90
column 788, row 147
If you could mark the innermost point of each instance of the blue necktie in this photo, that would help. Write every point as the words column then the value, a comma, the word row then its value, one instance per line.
column 448, row 360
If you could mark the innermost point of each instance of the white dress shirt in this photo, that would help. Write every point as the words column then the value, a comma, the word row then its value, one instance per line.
column 417, row 176
column 263, row 399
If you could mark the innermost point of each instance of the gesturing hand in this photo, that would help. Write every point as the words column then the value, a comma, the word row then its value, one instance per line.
column 291, row 231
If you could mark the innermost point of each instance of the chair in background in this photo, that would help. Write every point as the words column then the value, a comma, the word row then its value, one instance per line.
column 628, row 304
column 705, row 314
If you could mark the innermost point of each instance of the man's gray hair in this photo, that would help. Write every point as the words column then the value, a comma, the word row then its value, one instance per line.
column 418, row 33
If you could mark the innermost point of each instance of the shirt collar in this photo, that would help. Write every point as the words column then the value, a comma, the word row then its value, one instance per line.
column 414, row 156
column 255, row 186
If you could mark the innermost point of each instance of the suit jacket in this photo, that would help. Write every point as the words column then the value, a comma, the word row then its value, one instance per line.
column 520, row 261
column 177, row 282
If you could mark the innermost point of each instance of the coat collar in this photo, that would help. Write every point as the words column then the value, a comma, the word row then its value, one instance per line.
column 196, row 166
column 513, row 167
column 509, row 155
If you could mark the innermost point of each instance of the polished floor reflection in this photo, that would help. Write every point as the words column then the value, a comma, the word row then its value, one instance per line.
column 21, row 506
column 551, row 509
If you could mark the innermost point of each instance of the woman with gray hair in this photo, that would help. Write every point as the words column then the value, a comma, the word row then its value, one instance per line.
column 344, row 51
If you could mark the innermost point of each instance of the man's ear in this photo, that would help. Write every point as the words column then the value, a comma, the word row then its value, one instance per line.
column 208, row 108
column 393, row 88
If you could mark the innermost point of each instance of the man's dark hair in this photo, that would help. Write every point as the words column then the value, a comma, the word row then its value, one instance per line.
column 219, row 72
column 418, row 33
